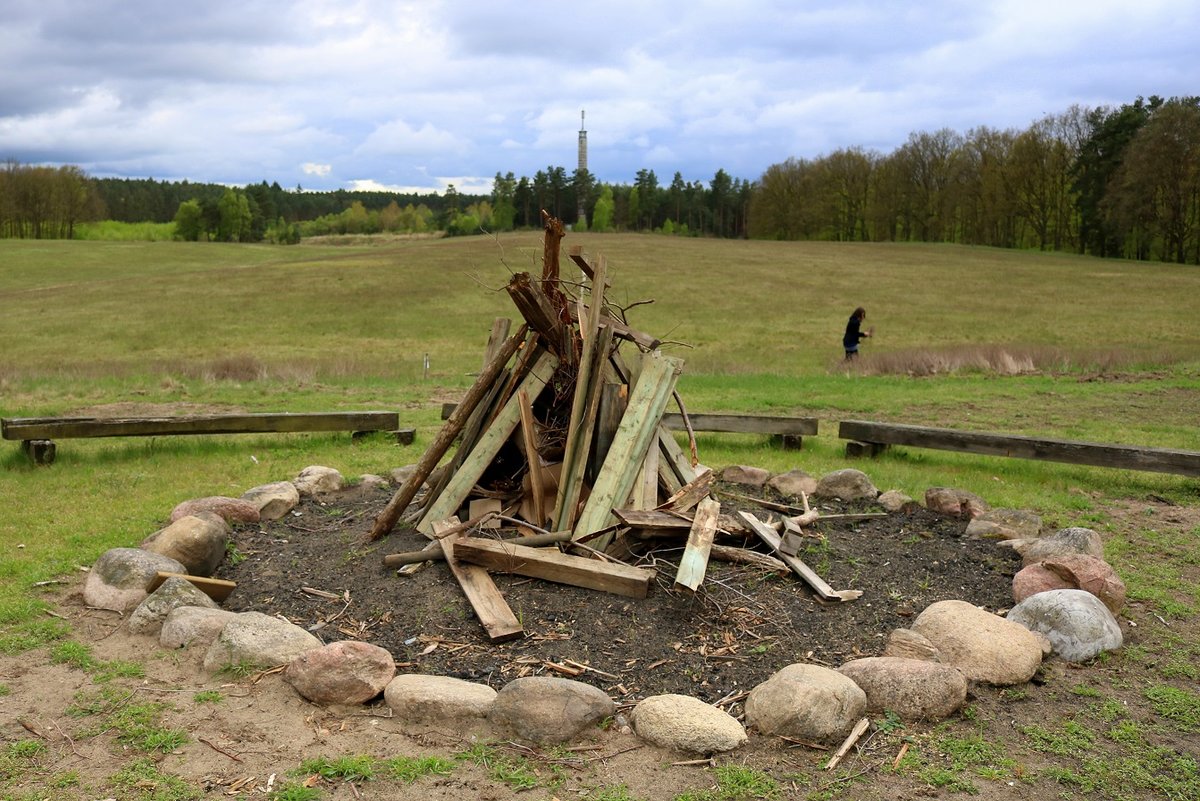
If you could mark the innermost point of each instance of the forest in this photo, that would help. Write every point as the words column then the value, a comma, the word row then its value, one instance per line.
column 1119, row 182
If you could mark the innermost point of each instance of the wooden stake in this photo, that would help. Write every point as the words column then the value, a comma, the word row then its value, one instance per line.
column 855, row 733
column 532, row 458
column 694, row 562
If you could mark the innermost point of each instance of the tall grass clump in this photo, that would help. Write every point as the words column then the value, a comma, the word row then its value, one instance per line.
column 113, row 231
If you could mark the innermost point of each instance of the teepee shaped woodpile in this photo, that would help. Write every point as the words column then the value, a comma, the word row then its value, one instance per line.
column 562, row 424
column 561, row 437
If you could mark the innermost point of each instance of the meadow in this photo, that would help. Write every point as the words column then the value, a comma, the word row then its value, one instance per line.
column 1029, row 343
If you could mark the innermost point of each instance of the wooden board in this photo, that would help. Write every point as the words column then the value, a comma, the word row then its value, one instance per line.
column 744, row 423
column 822, row 589
column 694, row 563
column 26, row 428
column 638, row 428
column 490, row 607
column 1128, row 457
column 577, row 571
column 217, row 589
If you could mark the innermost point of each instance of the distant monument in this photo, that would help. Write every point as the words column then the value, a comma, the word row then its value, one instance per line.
column 582, row 158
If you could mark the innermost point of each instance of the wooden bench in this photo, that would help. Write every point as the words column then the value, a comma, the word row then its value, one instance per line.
column 37, row 434
column 787, row 430
column 869, row 438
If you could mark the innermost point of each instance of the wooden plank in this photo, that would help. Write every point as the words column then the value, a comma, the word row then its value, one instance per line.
column 490, row 607
column 217, row 589
column 614, row 399
column 577, row 571
column 637, row 430
column 588, row 382
column 694, row 562
column 645, row 492
column 744, row 423
column 655, row 520
column 30, row 428
column 484, row 382
column 488, row 446
column 433, row 551
column 822, row 589
column 533, row 460
column 1126, row 457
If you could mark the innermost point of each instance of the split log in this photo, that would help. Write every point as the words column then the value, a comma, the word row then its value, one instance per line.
column 577, row 571
column 690, row 494
column 386, row 520
column 537, row 309
column 532, row 458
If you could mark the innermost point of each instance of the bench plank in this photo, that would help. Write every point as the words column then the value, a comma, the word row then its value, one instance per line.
column 744, row 423
column 1128, row 457
column 32, row 428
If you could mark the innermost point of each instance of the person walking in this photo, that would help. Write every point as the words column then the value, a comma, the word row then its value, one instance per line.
column 854, row 333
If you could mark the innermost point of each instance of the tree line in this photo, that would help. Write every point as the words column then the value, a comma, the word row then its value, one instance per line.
column 1110, row 181
column 1113, row 181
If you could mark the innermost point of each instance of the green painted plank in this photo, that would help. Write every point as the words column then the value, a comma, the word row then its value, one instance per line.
column 639, row 427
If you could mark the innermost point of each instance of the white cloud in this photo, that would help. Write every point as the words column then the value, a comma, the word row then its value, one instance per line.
column 397, row 92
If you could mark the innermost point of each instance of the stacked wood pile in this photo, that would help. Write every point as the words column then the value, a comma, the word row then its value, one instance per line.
column 561, row 437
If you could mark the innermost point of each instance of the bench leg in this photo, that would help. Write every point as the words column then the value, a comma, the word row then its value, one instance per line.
column 857, row 449
column 404, row 436
column 39, row 451
column 789, row 442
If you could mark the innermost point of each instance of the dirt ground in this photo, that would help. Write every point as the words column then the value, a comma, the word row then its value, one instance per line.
column 741, row 627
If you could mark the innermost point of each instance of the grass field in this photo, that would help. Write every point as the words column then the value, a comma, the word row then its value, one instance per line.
column 1111, row 351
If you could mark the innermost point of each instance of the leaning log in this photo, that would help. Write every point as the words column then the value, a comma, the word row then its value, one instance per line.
column 386, row 520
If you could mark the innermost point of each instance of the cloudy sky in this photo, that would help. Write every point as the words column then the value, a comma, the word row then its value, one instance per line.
column 378, row 93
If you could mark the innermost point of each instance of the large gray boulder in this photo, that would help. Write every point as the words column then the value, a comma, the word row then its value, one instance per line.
column 273, row 500
column 1005, row 524
column 913, row 689
column 1077, row 623
column 318, row 480
column 745, row 475
column 1075, row 539
column 907, row 644
column 255, row 640
column 198, row 542
column 848, row 485
column 417, row 699
column 544, row 709
column 173, row 593
column 809, row 702
column 119, row 578
column 793, row 483
column 686, row 724
column 985, row 647
column 193, row 627
column 346, row 672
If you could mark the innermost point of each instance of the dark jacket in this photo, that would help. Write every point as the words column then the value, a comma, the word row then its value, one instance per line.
column 853, row 334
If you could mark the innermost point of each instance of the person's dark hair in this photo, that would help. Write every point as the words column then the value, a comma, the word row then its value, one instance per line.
column 860, row 313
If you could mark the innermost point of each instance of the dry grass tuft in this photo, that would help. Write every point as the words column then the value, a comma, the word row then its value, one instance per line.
column 1004, row 360
column 240, row 367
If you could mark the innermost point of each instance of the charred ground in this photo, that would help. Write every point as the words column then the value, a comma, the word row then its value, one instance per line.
column 744, row 624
